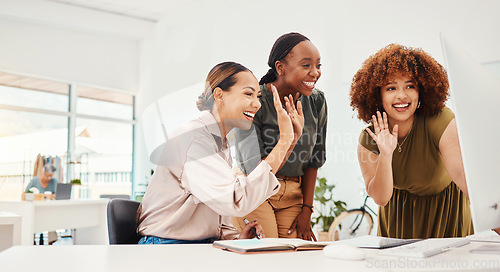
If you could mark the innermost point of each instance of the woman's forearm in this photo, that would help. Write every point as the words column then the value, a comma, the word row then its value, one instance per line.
column 380, row 187
column 288, row 152
column 277, row 156
column 308, row 185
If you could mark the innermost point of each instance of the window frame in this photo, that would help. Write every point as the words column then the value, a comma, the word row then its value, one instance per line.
column 72, row 116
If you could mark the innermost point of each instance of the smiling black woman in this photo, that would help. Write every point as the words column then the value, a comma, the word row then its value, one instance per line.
column 294, row 68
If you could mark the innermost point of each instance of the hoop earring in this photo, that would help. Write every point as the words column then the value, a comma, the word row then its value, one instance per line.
column 418, row 106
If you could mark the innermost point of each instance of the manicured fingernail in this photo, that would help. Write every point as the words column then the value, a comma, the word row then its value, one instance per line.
column 289, row 231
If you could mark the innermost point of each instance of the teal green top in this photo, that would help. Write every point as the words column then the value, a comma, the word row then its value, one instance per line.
column 35, row 182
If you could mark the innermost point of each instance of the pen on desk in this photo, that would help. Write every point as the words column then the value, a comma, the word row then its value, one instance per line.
column 254, row 231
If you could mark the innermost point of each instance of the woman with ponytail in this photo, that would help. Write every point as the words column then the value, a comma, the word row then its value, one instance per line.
column 194, row 189
column 295, row 68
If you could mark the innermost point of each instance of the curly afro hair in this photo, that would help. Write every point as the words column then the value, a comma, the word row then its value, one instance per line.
column 428, row 74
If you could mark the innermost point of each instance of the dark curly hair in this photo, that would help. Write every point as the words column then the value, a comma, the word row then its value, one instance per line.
column 428, row 74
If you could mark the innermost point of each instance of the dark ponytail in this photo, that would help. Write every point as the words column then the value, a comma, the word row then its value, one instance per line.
column 280, row 50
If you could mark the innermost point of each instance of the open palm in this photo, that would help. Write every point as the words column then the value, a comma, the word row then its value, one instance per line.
column 386, row 141
column 284, row 122
column 296, row 115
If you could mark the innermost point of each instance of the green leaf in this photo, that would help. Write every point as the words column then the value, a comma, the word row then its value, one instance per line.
column 326, row 208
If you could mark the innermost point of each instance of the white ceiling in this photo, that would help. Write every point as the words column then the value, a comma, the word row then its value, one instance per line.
column 149, row 10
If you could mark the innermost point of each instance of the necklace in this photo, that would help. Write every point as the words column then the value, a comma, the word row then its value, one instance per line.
column 400, row 145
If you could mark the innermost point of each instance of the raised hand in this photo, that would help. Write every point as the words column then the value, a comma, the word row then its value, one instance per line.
column 296, row 115
column 284, row 122
column 386, row 141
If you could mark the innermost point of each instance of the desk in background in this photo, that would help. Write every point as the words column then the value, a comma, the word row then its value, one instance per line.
column 87, row 216
column 197, row 258
column 10, row 230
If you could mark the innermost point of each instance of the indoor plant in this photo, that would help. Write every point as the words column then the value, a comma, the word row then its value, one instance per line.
column 326, row 208
column 76, row 182
column 29, row 195
column 75, row 190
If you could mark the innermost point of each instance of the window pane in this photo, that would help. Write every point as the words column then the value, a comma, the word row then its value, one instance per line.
column 103, row 157
column 33, row 93
column 97, row 102
column 24, row 135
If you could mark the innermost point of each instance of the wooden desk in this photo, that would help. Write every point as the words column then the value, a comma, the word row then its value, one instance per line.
column 197, row 258
column 10, row 230
column 87, row 216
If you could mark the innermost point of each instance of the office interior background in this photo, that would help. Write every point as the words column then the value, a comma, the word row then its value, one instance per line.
column 79, row 78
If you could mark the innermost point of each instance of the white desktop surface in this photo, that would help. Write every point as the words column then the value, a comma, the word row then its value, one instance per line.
column 10, row 230
column 97, row 258
column 87, row 216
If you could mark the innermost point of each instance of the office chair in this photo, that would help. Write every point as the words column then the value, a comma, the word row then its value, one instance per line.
column 115, row 196
column 122, row 225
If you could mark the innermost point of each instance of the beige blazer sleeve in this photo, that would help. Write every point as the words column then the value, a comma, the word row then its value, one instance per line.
column 212, row 181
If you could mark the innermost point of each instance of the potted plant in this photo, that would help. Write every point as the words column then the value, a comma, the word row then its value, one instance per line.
column 327, row 209
column 30, row 195
column 76, row 182
column 75, row 190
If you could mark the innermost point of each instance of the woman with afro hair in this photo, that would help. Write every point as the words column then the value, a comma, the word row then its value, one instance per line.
column 409, row 154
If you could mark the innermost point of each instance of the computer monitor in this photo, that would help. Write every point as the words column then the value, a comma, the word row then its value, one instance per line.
column 63, row 191
column 475, row 93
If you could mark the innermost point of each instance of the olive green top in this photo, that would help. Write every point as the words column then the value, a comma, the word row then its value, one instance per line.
column 425, row 201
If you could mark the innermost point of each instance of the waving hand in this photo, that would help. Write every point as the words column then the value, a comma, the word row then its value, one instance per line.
column 386, row 141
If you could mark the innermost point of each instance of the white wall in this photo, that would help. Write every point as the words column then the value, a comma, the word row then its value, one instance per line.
column 69, row 55
column 188, row 43
column 70, row 43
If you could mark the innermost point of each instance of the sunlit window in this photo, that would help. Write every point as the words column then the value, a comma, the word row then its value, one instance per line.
column 97, row 102
column 91, row 141
column 35, row 93
column 103, row 151
column 24, row 135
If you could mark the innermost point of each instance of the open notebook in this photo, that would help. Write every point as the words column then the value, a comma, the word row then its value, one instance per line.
column 268, row 245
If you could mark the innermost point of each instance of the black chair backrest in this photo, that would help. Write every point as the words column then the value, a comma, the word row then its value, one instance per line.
column 115, row 196
column 122, row 225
